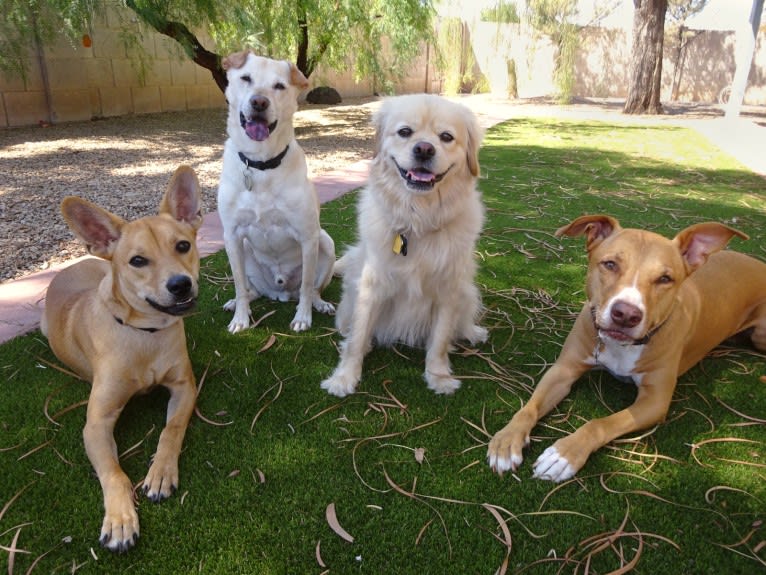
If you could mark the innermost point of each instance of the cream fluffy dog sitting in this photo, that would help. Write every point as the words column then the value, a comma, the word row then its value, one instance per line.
column 410, row 277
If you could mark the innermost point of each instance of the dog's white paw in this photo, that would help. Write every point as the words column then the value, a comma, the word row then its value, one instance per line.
column 551, row 466
column 500, row 464
column 442, row 384
column 324, row 306
column 479, row 335
column 236, row 325
column 340, row 384
column 230, row 305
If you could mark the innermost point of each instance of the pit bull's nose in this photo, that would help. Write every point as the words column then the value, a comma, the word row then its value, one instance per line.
column 180, row 286
column 625, row 314
column 259, row 103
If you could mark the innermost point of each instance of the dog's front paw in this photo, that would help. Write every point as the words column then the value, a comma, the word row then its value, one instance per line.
column 230, row 305
column 301, row 321
column 504, row 450
column 161, row 481
column 478, row 335
column 340, row 384
column 443, row 384
column 552, row 466
column 324, row 306
column 119, row 531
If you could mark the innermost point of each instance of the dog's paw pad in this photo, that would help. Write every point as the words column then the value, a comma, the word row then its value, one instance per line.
column 551, row 466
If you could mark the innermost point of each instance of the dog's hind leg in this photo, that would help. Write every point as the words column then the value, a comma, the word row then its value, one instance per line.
column 758, row 336
column 324, row 272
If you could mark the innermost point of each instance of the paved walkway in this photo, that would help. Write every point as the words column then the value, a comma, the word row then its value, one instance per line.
column 21, row 301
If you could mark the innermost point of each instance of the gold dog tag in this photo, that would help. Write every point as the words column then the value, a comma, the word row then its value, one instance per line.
column 400, row 244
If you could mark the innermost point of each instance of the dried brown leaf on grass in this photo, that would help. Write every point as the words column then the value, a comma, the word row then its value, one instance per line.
column 332, row 521
column 696, row 446
column 197, row 411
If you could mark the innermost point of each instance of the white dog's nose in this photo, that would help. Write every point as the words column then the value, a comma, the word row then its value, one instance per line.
column 259, row 103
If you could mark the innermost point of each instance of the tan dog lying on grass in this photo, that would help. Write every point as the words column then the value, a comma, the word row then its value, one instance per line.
column 410, row 277
column 118, row 323
column 655, row 308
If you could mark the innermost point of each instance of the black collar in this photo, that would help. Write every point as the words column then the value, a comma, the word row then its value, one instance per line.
column 146, row 329
column 268, row 164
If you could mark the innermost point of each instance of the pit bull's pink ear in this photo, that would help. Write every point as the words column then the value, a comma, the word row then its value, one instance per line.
column 98, row 229
column 297, row 78
column 182, row 197
column 697, row 242
column 595, row 228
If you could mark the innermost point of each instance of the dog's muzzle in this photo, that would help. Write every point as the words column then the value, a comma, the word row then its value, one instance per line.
column 182, row 289
column 420, row 178
column 256, row 127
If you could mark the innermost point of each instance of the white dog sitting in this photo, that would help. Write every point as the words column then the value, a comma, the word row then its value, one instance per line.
column 268, row 206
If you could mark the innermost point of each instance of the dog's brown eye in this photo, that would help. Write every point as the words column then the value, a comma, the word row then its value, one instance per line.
column 279, row 86
column 446, row 137
column 183, row 247
column 665, row 279
column 246, row 79
column 138, row 261
column 609, row 265
column 405, row 132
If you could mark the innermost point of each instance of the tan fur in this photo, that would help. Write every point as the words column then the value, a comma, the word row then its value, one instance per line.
column 97, row 313
column 428, row 297
column 270, row 217
column 655, row 308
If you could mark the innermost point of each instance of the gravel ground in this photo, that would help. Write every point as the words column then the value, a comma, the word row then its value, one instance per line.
column 123, row 164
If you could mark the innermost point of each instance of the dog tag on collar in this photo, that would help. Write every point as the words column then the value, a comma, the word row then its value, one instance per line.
column 248, row 180
column 400, row 244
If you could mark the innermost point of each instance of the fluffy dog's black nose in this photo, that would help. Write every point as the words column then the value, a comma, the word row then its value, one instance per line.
column 180, row 286
column 423, row 151
column 259, row 103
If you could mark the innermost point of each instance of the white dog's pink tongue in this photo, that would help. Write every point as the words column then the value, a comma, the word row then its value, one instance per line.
column 420, row 175
column 257, row 131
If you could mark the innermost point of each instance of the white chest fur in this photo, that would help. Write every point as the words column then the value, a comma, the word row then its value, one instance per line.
column 620, row 360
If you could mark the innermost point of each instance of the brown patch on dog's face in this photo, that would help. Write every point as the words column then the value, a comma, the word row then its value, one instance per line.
column 424, row 139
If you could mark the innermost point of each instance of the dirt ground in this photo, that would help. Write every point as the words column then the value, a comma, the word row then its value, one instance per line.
column 123, row 164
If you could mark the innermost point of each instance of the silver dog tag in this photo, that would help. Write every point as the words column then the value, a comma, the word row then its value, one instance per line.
column 248, row 180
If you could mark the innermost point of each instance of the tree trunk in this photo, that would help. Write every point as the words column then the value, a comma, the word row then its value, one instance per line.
column 186, row 38
column 646, row 58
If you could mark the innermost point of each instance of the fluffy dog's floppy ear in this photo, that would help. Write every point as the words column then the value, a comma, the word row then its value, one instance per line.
column 297, row 78
column 475, row 135
column 378, row 123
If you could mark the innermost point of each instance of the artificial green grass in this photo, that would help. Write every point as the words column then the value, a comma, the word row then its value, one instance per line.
column 688, row 498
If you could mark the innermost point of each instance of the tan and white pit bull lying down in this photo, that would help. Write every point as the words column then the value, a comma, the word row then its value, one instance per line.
column 118, row 323
column 655, row 307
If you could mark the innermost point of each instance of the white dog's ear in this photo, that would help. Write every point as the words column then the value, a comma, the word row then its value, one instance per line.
column 98, row 229
column 378, row 124
column 182, row 197
column 297, row 78
column 475, row 135
column 235, row 60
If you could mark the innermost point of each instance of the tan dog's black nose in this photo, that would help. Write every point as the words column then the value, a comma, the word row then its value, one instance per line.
column 626, row 315
column 180, row 286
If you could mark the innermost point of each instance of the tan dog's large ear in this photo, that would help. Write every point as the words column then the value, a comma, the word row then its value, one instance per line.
column 297, row 78
column 182, row 197
column 596, row 228
column 98, row 229
column 697, row 242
